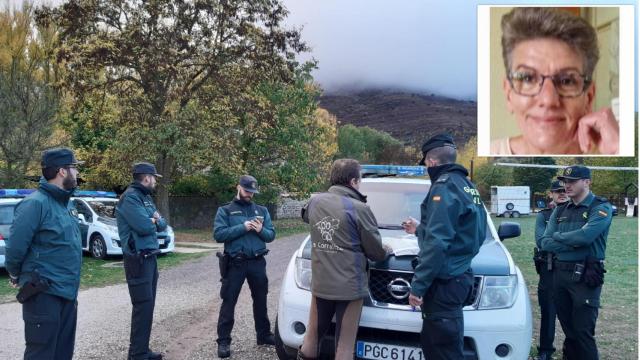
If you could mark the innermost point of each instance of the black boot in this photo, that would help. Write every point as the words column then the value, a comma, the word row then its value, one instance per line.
column 154, row 355
column 267, row 340
column 224, row 350
column 544, row 356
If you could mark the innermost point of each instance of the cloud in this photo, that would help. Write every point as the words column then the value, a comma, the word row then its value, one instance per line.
column 414, row 45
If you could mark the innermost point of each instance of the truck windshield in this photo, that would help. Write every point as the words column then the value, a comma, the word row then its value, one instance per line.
column 392, row 203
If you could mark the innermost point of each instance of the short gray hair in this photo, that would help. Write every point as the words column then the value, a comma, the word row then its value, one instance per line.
column 443, row 155
column 527, row 23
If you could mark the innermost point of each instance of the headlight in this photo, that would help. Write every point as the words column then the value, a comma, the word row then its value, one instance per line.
column 303, row 273
column 498, row 292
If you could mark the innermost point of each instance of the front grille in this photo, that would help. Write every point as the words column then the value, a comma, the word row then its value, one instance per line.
column 379, row 281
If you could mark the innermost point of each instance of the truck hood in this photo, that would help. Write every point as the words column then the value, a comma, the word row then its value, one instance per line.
column 490, row 260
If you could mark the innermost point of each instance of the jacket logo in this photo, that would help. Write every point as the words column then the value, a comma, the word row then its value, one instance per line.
column 327, row 227
column 436, row 198
column 235, row 213
column 585, row 215
column 603, row 213
column 567, row 171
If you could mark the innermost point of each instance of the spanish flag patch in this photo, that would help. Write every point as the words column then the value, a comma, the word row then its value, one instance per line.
column 603, row 213
column 436, row 198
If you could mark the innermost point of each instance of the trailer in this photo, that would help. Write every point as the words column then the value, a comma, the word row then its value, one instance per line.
column 510, row 201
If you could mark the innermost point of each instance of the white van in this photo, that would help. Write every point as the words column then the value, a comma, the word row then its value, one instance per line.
column 510, row 201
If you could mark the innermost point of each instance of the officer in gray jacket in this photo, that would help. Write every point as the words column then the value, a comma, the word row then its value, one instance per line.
column 344, row 234
column 138, row 224
column 44, row 254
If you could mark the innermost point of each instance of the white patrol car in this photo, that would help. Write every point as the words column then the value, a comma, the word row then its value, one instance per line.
column 9, row 198
column 96, row 217
column 497, row 326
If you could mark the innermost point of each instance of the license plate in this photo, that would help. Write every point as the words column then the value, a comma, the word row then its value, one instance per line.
column 369, row 350
column 161, row 241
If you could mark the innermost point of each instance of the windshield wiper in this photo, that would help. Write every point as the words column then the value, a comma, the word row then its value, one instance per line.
column 390, row 227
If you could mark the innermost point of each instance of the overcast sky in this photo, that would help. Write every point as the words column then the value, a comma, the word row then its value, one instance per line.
column 423, row 46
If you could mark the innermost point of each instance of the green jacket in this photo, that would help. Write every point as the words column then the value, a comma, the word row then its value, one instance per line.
column 344, row 234
column 541, row 225
column 577, row 231
column 228, row 228
column 133, row 215
column 453, row 225
column 45, row 237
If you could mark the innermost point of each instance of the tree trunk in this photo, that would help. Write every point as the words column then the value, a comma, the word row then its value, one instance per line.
column 164, row 166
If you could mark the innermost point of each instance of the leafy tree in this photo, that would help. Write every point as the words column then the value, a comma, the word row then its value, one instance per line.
column 28, row 99
column 156, row 57
column 372, row 146
column 538, row 179
column 487, row 175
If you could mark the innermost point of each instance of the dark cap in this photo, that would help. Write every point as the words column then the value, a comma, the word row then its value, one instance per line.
column 436, row 141
column 575, row 172
column 249, row 184
column 58, row 157
column 145, row 168
column 556, row 185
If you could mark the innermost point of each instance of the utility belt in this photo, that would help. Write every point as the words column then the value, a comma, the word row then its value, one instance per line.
column 33, row 287
column 542, row 260
column 225, row 260
column 590, row 271
column 133, row 262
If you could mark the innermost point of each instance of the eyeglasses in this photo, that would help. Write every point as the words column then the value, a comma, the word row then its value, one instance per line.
column 568, row 84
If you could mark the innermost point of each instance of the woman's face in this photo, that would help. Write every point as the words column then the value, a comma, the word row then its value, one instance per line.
column 547, row 121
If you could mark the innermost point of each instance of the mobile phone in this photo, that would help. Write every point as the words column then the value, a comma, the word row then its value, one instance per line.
column 260, row 218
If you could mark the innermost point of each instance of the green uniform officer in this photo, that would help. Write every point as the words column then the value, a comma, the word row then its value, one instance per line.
column 577, row 235
column 138, row 224
column 44, row 252
column 452, row 228
column 244, row 227
column 544, row 265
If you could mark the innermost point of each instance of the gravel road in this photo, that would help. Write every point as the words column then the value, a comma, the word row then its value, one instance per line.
column 185, row 316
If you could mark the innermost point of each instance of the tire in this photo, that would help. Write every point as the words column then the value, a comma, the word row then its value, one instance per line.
column 507, row 214
column 510, row 206
column 98, row 247
column 515, row 214
column 284, row 352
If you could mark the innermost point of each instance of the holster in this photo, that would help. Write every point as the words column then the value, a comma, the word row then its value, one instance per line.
column 33, row 287
column 594, row 272
column 223, row 262
column 538, row 261
column 133, row 265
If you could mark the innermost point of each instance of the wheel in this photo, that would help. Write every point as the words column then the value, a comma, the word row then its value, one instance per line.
column 507, row 214
column 510, row 206
column 284, row 352
column 98, row 247
column 515, row 214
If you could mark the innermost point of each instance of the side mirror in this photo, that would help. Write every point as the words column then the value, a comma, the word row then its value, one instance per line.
column 508, row 230
column 81, row 218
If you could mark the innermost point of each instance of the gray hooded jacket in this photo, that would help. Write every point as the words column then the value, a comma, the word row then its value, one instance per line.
column 344, row 234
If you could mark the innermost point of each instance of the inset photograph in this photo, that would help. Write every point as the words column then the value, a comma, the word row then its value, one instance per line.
column 555, row 81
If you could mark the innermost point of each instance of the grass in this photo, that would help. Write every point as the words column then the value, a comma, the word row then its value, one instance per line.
column 284, row 227
column 95, row 274
column 617, row 326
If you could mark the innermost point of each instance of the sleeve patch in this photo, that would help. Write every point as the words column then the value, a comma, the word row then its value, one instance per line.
column 436, row 198
column 603, row 213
